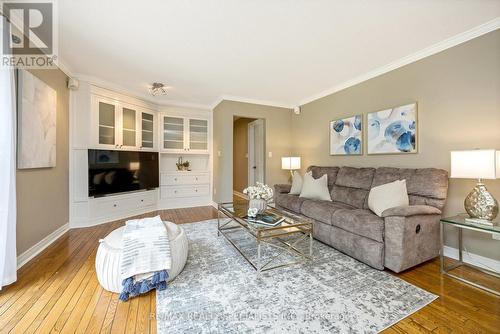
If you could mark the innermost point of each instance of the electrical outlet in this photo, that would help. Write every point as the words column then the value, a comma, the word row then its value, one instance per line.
column 270, row 154
column 495, row 236
column 219, row 153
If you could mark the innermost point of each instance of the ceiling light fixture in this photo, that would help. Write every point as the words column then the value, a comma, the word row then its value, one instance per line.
column 157, row 88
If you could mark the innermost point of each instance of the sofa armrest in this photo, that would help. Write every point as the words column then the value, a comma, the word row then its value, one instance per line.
column 282, row 188
column 411, row 210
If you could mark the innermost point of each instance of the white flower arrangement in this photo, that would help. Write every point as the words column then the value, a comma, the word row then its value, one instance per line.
column 260, row 191
column 252, row 212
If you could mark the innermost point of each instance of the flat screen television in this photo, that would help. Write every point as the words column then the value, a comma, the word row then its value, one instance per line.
column 112, row 172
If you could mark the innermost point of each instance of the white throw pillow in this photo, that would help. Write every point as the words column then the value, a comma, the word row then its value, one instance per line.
column 315, row 188
column 296, row 184
column 388, row 196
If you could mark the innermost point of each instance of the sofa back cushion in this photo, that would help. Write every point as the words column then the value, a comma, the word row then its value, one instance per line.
column 318, row 172
column 426, row 186
column 352, row 186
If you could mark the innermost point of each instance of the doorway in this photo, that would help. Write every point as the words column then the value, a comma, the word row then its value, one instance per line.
column 248, row 153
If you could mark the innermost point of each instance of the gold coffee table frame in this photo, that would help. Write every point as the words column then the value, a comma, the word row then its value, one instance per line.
column 299, row 228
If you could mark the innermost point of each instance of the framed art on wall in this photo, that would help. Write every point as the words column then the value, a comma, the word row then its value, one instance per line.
column 37, row 104
column 346, row 136
column 393, row 131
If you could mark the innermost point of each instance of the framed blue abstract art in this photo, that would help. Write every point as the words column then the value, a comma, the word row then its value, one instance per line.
column 346, row 136
column 393, row 131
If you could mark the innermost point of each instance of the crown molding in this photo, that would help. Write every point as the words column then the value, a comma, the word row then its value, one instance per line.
column 65, row 68
column 146, row 97
column 250, row 100
column 429, row 51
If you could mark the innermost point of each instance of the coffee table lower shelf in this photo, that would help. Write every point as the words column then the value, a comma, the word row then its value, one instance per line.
column 273, row 237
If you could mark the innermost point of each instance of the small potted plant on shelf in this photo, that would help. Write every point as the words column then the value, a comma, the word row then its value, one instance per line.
column 182, row 165
column 259, row 195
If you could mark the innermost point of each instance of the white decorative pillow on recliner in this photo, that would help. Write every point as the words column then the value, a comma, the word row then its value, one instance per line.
column 388, row 196
column 315, row 188
column 296, row 184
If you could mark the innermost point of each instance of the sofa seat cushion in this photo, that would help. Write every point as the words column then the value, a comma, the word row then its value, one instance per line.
column 361, row 222
column 322, row 210
column 290, row 202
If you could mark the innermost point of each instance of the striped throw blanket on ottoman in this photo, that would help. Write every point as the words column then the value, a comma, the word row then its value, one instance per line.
column 146, row 257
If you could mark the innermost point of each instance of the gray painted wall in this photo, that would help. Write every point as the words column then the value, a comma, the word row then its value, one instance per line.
column 43, row 193
column 458, row 95
column 278, row 141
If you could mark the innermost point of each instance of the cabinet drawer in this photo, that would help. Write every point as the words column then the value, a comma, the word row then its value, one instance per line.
column 182, row 179
column 109, row 206
column 184, row 191
column 140, row 201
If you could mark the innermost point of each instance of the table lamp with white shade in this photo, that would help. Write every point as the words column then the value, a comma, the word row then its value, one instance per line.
column 290, row 163
column 480, row 165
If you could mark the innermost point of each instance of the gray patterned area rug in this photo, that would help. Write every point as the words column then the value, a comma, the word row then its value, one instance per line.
column 219, row 292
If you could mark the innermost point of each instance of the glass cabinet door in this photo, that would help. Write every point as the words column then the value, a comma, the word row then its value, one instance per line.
column 173, row 133
column 129, row 132
column 147, row 130
column 107, row 124
column 198, row 134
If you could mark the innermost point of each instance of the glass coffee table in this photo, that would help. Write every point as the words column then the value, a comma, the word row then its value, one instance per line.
column 287, row 239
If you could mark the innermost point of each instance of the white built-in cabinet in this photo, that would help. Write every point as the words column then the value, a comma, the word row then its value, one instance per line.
column 184, row 135
column 118, row 125
column 104, row 119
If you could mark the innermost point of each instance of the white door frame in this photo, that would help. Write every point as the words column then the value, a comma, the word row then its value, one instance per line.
column 256, row 152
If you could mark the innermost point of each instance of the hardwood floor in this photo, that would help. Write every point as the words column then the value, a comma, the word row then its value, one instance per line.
column 58, row 292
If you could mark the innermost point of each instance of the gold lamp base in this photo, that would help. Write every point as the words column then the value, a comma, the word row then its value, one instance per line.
column 480, row 203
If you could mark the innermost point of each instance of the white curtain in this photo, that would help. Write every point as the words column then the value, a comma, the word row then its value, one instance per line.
column 8, row 256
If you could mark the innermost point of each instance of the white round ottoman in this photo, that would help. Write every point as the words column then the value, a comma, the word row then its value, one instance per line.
column 108, row 258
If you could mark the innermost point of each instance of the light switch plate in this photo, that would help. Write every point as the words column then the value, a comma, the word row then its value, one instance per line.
column 495, row 236
column 270, row 154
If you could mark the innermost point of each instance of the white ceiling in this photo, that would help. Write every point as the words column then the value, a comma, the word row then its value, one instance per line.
column 283, row 52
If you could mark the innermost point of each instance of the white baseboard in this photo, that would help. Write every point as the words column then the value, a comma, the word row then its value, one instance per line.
column 477, row 260
column 41, row 245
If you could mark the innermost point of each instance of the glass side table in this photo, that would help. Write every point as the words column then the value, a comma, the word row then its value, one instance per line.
column 461, row 224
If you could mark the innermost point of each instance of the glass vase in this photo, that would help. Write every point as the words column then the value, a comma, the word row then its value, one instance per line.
column 259, row 204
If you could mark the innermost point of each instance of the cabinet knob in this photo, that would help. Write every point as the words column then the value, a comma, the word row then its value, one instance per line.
column 196, row 179
column 175, row 191
column 196, row 190
column 142, row 200
column 114, row 205
column 175, row 179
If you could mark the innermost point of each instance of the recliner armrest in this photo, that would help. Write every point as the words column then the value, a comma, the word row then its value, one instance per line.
column 282, row 188
column 411, row 210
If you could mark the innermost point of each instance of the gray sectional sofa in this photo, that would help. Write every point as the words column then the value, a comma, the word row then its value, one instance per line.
column 402, row 238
